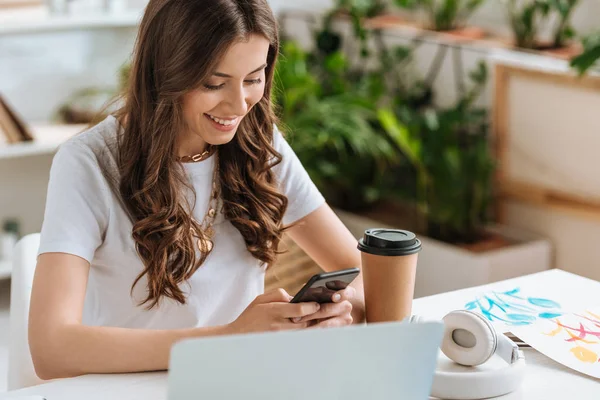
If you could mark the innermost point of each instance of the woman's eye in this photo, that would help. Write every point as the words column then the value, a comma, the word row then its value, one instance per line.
column 214, row 87
column 254, row 81
column 217, row 87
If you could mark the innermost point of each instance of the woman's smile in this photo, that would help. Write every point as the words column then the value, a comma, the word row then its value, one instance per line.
column 223, row 124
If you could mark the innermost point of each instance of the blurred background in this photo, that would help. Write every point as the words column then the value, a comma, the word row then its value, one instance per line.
column 471, row 122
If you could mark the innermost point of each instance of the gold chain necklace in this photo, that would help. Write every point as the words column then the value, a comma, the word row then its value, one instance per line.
column 195, row 157
column 205, row 236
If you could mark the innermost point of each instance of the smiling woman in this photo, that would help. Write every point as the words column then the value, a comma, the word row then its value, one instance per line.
column 162, row 219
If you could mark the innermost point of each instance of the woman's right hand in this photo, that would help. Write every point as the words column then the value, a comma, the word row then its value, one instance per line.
column 273, row 312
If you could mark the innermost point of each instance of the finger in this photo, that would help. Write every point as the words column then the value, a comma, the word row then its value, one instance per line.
column 274, row 296
column 299, row 310
column 333, row 322
column 330, row 310
column 288, row 325
column 347, row 294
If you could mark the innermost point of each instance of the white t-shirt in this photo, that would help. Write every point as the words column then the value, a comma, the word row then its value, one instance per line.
column 84, row 217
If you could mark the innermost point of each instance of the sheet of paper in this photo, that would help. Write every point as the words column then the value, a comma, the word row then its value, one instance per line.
column 550, row 311
column 572, row 339
column 516, row 302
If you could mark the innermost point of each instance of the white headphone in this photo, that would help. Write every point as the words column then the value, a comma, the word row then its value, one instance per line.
column 470, row 341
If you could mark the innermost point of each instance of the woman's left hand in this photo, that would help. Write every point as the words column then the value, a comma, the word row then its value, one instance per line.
column 338, row 313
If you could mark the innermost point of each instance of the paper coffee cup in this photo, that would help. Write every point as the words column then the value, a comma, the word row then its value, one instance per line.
column 389, row 266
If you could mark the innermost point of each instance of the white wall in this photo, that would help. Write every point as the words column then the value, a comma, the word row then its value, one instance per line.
column 37, row 74
column 23, row 184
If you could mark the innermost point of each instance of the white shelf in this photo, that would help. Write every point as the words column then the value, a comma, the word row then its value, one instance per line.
column 5, row 269
column 47, row 140
column 37, row 19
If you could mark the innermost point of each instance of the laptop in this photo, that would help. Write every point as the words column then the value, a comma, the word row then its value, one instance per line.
column 359, row 362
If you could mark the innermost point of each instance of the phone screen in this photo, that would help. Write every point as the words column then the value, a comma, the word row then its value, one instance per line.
column 320, row 288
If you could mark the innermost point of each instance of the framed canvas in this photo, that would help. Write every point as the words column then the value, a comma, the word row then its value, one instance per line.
column 547, row 136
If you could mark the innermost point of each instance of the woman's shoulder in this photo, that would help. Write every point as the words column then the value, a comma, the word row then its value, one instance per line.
column 279, row 141
column 99, row 137
column 95, row 144
column 92, row 152
column 277, row 134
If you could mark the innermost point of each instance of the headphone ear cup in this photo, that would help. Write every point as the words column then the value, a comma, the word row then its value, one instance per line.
column 469, row 339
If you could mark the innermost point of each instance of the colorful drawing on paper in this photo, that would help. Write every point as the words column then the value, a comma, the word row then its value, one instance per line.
column 583, row 331
column 513, row 308
column 572, row 339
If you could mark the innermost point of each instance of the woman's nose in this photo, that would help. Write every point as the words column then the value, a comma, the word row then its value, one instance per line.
column 238, row 101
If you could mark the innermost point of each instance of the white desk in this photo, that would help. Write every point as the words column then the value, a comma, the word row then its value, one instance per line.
column 545, row 378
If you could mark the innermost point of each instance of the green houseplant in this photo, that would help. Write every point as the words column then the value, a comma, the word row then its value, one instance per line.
column 328, row 100
column 564, row 31
column 590, row 55
column 90, row 104
column 333, row 126
column 450, row 153
column 526, row 18
column 443, row 15
column 376, row 133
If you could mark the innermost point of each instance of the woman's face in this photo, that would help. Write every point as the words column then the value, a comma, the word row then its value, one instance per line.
column 214, row 111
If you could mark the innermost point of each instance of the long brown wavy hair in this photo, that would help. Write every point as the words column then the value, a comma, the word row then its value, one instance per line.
column 179, row 45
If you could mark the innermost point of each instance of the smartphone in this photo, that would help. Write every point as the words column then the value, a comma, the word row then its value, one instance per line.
column 321, row 287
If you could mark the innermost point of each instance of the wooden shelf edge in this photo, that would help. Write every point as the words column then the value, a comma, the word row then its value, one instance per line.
column 47, row 139
column 586, row 208
column 475, row 36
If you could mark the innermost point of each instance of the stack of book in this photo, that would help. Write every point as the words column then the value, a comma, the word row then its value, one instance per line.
column 12, row 128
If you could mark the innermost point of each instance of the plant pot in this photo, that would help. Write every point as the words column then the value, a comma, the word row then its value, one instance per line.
column 72, row 115
column 507, row 253
column 466, row 33
column 567, row 52
column 546, row 48
column 385, row 21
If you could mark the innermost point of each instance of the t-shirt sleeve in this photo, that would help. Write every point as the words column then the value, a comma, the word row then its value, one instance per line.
column 295, row 183
column 77, row 211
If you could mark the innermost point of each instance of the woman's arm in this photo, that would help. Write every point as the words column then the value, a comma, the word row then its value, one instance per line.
column 330, row 244
column 62, row 347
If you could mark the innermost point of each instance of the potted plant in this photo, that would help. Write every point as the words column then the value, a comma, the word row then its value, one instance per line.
column 90, row 104
column 436, row 161
column 329, row 105
column 450, row 153
column 526, row 19
column 453, row 164
column 358, row 12
column 449, row 16
column 332, row 126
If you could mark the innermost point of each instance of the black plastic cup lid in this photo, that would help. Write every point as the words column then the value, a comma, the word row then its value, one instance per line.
column 389, row 242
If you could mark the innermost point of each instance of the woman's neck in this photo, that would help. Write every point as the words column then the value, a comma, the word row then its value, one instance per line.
column 191, row 145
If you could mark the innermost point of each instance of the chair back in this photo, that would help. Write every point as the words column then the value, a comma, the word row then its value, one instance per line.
column 20, row 366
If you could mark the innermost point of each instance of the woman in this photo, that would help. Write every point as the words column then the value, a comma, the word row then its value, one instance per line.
column 161, row 220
